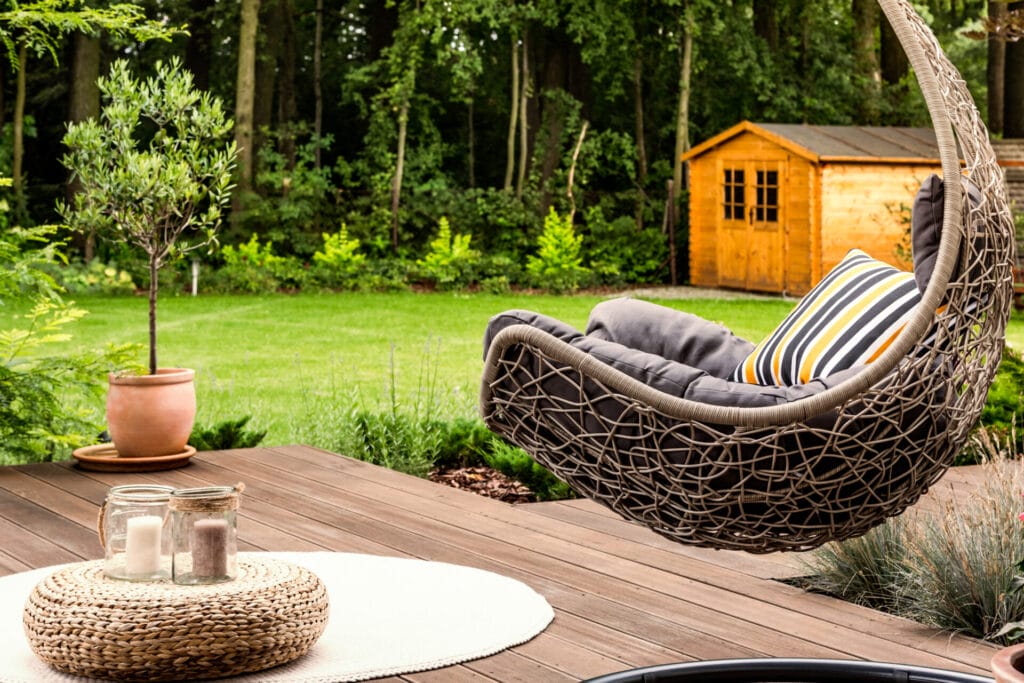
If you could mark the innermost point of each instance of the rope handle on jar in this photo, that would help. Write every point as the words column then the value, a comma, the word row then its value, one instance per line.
column 101, row 526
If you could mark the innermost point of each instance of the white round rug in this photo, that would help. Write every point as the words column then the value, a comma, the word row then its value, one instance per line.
column 388, row 616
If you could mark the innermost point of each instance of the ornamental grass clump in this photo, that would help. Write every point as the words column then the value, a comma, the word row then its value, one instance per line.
column 953, row 567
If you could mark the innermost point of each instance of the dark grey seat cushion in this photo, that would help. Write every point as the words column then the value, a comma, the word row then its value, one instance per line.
column 680, row 379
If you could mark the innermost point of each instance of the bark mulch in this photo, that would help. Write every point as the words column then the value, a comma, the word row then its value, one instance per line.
column 484, row 481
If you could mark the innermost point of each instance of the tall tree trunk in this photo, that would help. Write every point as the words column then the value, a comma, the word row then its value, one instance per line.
column 513, row 117
column 766, row 23
column 995, row 69
column 640, row 134
column 288, row 108
column 84, row 104
column 318, row 116
column 554, row 78
column 246, row 88
column 197, row 47
column 396, row 183
column 865, row 57
column 1013, row 92
column 894, row 63
column 18, row 152
column 524, row 99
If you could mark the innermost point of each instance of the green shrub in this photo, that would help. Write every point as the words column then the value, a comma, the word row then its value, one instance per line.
column 339, row 262
column 558, row 265
column 252, row 268
column 462, row 442
column 618, row 253
column 517, row 463
column 450, row 262
column 293, row 200
column 225, row 435
column 94, row 277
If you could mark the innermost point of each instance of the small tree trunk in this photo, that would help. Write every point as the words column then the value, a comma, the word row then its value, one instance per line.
column 683, row 109
column 18, row 153
column 244, row 94
column 154, row 285
column 471, row 144
column 396, row 185
column 995, row 70
column 513, row 116
column 524, row 99
column 641, row 145
column 572, row 171
column 318, row 116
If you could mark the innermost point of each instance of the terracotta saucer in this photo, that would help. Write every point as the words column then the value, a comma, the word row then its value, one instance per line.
column 104, row 458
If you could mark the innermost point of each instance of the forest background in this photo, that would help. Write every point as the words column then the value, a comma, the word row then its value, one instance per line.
column 387, row 116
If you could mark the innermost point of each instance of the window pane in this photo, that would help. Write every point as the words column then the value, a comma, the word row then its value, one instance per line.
column 766, row 206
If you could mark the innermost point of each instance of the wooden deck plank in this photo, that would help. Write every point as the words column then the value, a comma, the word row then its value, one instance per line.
column 623, row 596
column 787, row 618
column 540, row 556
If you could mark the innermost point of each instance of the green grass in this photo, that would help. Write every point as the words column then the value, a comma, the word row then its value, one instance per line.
column 278, row 357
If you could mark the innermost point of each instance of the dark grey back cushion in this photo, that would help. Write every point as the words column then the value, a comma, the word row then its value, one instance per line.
column 668, row 376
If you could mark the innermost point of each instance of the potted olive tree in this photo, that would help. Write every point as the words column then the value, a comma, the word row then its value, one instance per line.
column 154, row 172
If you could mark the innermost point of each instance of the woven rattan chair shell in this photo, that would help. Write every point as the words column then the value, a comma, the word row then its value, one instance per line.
column 819, row 469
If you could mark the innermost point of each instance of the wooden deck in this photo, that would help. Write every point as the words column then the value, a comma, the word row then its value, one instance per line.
column 623, row 596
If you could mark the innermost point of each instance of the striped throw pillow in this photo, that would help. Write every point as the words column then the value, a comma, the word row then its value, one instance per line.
column 848, row 319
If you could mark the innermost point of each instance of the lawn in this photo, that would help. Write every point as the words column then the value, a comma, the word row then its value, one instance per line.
column 278, row 358
column 283, row 358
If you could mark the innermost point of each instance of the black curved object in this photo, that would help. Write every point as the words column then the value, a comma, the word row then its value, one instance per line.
column 783, row 670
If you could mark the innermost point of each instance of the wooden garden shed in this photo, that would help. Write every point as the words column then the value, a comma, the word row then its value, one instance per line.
column 774, row 206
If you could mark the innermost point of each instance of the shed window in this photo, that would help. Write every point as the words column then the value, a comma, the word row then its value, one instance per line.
column 766, row 207
column 734, row 200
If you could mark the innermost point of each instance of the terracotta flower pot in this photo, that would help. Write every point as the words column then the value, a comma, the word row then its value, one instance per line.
column 151, row 415
column 1008, row 664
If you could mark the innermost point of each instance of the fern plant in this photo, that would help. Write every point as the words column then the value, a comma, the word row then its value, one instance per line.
column 558, row 265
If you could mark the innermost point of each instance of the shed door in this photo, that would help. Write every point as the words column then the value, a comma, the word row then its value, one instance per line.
column 750, row 239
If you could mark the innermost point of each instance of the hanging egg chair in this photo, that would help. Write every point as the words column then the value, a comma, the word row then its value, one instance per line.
column 819, row 461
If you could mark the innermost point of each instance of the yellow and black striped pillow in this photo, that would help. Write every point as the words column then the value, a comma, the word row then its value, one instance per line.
column 848, row 319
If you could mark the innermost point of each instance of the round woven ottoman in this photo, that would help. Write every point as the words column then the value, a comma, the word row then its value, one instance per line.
column 81, row 622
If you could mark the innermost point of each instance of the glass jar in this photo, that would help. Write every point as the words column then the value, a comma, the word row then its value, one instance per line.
column 204, row 531
column 135, row 533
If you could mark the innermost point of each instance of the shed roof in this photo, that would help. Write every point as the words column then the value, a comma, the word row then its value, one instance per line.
column 870, row 144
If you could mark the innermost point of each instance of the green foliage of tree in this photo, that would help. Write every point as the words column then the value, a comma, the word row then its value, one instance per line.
column 558, row 265
column 154, row 170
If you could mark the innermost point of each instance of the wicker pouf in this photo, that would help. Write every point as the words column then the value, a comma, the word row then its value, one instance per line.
column 83, row 623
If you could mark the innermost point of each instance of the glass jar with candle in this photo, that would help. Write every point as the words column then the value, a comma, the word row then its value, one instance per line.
column 135, row 533
column 204, row 524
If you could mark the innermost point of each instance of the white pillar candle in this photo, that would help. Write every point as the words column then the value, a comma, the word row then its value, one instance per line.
column 142, row 545
column 210, row 548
